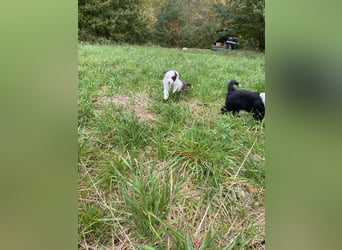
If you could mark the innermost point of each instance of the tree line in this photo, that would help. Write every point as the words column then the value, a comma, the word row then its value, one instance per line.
column 172, row 23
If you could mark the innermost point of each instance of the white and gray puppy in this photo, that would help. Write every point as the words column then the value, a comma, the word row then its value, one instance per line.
column 172, row 83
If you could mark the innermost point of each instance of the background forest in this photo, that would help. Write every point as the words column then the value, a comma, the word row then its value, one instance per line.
column 171, row 23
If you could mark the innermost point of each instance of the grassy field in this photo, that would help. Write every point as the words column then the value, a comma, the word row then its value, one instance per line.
column 174, row 175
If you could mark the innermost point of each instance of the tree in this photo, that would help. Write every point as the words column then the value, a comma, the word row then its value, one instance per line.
column 172, row 23
column 246, row 19
column 169, row 19
column 200, row 25
column 186, row 23
column 113, row 20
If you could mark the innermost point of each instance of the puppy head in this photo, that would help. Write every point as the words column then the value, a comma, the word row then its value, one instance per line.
column 171, row 74
column 231, row 85
column 174, row 77
column 234, row 82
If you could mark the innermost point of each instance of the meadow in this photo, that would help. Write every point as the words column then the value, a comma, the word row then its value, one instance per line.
column 168, row 175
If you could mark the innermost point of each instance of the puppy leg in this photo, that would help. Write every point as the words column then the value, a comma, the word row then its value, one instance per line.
column 166, row 91
column 185, row 87
column 175, row 87
column 234, row 112
column 166, row 94
column 224, row 110
column 258, row 114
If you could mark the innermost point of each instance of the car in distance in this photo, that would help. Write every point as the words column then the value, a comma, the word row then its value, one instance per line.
column 224, row 41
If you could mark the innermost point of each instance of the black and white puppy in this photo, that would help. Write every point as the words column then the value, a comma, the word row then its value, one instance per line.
column 252, row 102
column 171, row 82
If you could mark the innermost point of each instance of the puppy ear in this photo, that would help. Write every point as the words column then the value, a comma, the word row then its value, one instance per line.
column 166, row 71
column 174, row 77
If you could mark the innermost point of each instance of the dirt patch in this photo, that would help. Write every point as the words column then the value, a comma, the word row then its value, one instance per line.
column 195, row 107
column 137, row 102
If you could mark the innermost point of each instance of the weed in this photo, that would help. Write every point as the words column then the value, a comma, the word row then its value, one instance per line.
column 123, row 130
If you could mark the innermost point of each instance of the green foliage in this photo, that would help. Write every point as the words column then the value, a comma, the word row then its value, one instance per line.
column 90, row 220
column 147, row 196
column 122, row 130
column 170, row 18
column 112, row 21
column 245, row 19
column 184, row 24
column 171, row 23
column 199, row 154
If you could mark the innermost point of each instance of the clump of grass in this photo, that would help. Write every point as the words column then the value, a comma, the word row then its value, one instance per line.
column 198, row 154
column 92, row 226
column 148, row 195
column 85, row 111
column 122, row 130
column 172, row 112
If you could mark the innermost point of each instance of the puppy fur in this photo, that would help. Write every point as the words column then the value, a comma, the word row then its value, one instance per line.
column 263, row 98
column 236, row 100
column 171, row 82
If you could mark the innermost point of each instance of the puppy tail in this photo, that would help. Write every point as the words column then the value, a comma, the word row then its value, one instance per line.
column 231, row 85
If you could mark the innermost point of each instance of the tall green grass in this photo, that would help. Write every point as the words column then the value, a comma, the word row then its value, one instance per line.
column 187, row 178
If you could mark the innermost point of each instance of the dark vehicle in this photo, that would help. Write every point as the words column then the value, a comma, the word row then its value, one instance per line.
column 224, row 41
